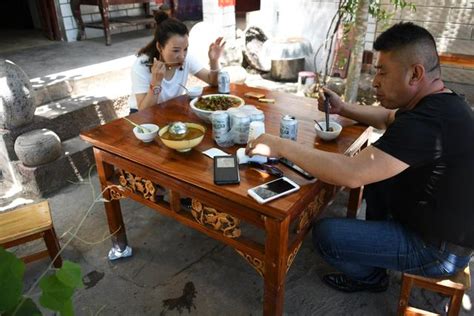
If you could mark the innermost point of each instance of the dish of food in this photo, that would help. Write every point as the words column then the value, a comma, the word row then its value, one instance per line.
column 217, row 102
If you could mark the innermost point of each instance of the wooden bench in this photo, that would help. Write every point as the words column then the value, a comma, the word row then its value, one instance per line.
column 29, row 223
column 108, row 23
column 453, row 286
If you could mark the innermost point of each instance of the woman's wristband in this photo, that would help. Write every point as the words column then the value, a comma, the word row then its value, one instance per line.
column 155, row 89
column 215, row 70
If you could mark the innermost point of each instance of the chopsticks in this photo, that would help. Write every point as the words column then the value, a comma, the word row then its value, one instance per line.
column 326, row 109
column 175, row 64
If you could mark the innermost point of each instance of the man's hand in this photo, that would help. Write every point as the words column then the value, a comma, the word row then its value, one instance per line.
column 264, row 145
column 157, row 72
column 336, row 105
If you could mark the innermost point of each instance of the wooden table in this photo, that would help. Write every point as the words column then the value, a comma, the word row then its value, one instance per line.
column 130, row 168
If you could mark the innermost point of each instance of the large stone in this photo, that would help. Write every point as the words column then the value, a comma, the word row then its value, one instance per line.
column 16, row 100
column 38, row 147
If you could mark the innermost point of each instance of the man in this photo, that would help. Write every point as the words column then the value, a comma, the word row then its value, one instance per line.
column 421, row 172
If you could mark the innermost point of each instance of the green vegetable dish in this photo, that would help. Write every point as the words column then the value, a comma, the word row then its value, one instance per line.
column 216, row 103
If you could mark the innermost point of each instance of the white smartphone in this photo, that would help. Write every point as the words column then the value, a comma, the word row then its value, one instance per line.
column 273, row 189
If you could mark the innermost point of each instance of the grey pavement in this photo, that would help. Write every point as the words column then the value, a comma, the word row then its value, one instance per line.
column 168, row 255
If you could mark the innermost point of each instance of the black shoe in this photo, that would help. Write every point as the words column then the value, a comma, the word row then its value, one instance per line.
column 341, row 282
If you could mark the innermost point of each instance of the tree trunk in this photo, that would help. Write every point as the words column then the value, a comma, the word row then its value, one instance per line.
column 353, row 75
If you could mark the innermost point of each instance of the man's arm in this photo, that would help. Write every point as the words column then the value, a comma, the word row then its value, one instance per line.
column 370, row 165
column 375, row 116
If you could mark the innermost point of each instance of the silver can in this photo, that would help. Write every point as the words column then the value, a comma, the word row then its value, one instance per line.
column 221, row 128
column 223, row 81
column 240, row 128
column 288, row 127
column 257, row 115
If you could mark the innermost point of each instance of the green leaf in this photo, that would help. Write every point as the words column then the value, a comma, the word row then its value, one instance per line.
column 56, row 295
column 70, row 274
column 27, row 308
column 11, row 280
column 67, row 309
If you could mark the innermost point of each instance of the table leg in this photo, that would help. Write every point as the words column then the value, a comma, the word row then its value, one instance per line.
column 276, row 248
column 355, row 199
column 104, row 12
column 120, row 248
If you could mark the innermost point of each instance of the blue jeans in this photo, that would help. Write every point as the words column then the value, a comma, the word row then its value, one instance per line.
column 363, row 250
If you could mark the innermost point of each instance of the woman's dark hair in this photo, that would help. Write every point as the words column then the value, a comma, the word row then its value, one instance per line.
column 165, row 28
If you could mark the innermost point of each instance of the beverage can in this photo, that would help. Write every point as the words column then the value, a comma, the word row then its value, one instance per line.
column 256, row 128
column 223, row 81
column 221, row 128
column 257, row 115
column 240, row 127
column 288, row 127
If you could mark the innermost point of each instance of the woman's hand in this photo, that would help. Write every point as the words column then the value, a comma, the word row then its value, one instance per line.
column 264, row 145
column 336, row 105
column 216, row 49
column 158, row 71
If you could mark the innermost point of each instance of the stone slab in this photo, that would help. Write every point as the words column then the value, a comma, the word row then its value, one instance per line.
column 71, row 167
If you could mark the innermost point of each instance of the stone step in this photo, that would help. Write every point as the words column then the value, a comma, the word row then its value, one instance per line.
column 30, row 183
column 68, row 117
column 108, row 79
column 71, row 167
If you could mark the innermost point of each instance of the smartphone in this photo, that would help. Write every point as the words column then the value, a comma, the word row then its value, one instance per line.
column 273, row 189
column 296, row 168
column 226, row 170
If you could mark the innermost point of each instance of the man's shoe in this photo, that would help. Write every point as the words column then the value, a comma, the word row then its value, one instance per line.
column 341, row 282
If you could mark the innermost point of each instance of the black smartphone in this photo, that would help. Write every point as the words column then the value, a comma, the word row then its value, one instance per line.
column 226, row 170
column 296, row 168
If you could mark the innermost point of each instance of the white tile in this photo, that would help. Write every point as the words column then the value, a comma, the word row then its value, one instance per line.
column 460, row 15
column 71, row 35
column 135, row 12
column 118, row 13
column 66, row 10
column 88, row 9
column 69, row 23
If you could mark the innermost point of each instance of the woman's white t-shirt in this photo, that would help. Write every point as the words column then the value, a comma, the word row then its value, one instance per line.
column 141, row 79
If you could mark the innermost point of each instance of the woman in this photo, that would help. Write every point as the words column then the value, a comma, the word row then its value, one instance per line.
column 162, row 67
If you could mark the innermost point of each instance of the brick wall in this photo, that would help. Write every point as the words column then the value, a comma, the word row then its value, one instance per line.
column 451, row 22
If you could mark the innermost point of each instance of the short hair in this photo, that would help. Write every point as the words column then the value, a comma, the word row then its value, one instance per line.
column 411, row 42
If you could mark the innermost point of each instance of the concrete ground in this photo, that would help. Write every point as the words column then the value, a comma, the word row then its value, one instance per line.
column 168, row 255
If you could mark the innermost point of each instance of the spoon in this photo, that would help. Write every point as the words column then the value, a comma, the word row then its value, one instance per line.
column 141, row 129
column 187, row 91
column 320, row 127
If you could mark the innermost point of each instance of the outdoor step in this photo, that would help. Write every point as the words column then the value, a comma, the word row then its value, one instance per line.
column 108, row 79
column 72, row 167
column 68, row 118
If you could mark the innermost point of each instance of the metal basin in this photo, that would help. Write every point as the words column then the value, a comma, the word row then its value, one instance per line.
column 287, row 69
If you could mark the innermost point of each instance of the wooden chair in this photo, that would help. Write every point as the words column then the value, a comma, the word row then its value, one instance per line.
column 453, row 286
column 29, row 223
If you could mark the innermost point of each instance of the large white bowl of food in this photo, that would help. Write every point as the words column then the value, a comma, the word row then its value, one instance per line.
column 205, row 105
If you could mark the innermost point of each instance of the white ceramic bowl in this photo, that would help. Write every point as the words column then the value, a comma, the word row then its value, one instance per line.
column 146, row 137
column 205, row 115
column 328, row 135
column 194, row 92
column 183, row 145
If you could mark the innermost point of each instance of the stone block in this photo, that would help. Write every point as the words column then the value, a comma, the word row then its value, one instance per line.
column 88, row 9
column 67, row 119
column 37, row 147
column 462, row 16
column 72, row 166
column 16, row 96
